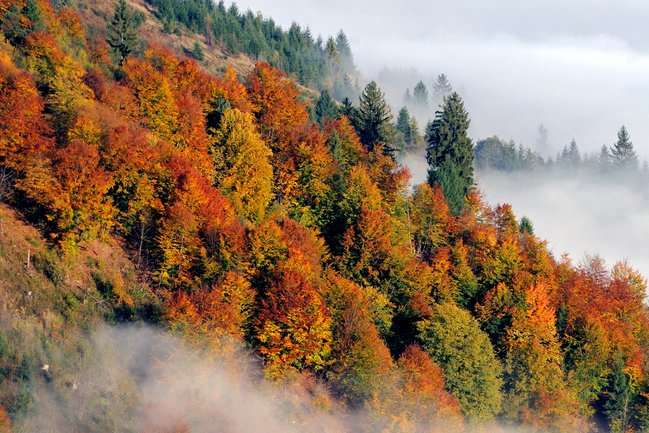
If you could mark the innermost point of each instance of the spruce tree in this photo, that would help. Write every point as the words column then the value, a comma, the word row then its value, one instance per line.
column 442, row 87
column 122, row 31
column 374, row 118
column 449, row 152
column 622, row 152
column 325, row 108
column 421, row 94
column 404, row 125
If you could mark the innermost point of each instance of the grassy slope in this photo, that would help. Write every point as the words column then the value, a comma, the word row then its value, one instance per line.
column 49, row 303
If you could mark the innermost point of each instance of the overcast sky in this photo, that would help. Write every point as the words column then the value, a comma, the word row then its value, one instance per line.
column 579, row 67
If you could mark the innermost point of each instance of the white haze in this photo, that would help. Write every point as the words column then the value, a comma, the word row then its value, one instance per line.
column 580, row 67
column 579, row 214
column 139, row 379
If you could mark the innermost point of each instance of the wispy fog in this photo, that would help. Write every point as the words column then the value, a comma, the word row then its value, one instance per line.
column 579, row 67
column 578, row 213
column 138, row 379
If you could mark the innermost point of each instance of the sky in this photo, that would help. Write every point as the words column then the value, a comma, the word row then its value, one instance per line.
column 579, row 67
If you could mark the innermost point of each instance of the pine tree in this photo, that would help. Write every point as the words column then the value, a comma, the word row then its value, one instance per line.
column 122, row 31
column 421, row 95
column 374, row 118
column 325, row 108
column 345, row 51
column 442, row 87
column 449, row 152
column 404, row 126
column 622, row 152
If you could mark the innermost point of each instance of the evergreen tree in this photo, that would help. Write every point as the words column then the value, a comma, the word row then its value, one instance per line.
column 421, row 95
column 407, row 98
column 442, row 87
column 345, row 51
column 622, row 152
column 449, row 152
column 197, row 52
column 325, row 108
column 347, row 109
column 526, row 226
column 404, row 125
column 374, row 118
column 122, row 31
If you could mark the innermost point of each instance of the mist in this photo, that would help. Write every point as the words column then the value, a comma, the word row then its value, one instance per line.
column 579, row 213
column 135, row 378
column 579, row 67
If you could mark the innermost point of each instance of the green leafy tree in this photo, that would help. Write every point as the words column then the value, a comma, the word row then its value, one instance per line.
column 122, row 30
column 455, row 341
column 374, row 118
column 449, row 152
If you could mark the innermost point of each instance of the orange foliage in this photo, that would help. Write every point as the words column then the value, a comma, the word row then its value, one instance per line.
column 274, row 102
column 23, row 130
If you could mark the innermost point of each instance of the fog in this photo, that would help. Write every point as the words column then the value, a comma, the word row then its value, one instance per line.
column 579, row 67
column 139, row 379
column 579, row 213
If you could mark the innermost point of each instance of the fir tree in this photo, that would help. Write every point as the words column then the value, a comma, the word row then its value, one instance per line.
column 449, row 152
column 421, row 95
column 374, row 118
column 404, row 125
column 122, row 31
column 325, row 108
column 442, row 87
column 622, row 152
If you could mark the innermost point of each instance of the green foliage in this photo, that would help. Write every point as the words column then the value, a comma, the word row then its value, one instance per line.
column 294, row 51
column 473, row 373
column 197, row 52
column 495, row 154
column 123, row 31
column 622, row 152
column 449, row 152
column 373, row 120
column 325, row 108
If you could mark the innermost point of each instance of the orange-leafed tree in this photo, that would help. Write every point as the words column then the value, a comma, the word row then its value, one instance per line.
column 274, row 100
column 537, row 395
column 293, row 326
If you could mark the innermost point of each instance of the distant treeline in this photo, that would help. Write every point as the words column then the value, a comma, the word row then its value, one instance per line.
column 494, row 153
column 314, row 62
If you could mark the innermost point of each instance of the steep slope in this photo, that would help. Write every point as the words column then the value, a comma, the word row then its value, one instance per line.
column 254, row 227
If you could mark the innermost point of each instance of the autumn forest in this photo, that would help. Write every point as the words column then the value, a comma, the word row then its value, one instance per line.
column 259, row 210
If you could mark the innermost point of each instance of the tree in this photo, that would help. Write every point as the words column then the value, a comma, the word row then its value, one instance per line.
column 374, row 118
column 420, row 95
column 404, row 126
column 122, row 31
column 622, row 151
column 449, row 152
column 325, row 108
column 473, row 373
column 242, row 166
column 442, row 87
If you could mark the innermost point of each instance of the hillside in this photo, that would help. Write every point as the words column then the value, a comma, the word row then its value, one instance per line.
column 276, row 239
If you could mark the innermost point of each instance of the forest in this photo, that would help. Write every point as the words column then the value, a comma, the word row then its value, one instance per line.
column 252, row 219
